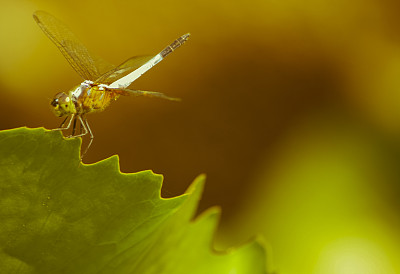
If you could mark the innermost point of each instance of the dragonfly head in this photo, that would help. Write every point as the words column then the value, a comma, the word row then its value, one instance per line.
column 62, row 105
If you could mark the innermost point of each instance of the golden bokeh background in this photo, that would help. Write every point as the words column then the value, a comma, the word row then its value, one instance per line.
column 291, row 108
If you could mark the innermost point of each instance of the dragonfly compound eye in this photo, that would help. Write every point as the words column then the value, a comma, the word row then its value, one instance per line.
column 54, row 103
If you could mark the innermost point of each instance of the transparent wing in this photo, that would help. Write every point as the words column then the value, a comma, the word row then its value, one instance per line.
column 131, row 92
column 124, row 69
column 87, row 66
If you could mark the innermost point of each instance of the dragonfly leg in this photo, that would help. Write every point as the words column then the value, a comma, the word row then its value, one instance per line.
column 73, row 127
column 61, row 127
column 80, row 128
column 85, row 131
column 63, row 122
column 86, row 126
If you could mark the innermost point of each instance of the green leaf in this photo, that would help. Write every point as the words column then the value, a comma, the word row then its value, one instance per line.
column 58, row 215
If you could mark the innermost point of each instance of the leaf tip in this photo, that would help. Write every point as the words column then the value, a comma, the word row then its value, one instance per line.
column 197, row 185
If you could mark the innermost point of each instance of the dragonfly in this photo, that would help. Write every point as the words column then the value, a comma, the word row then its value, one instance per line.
column 102, row 82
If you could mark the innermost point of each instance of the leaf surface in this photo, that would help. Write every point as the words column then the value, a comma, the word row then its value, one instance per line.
column 58, row 215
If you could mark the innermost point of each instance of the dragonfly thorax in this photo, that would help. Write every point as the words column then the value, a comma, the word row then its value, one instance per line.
column 91, row 97
column 83, row 87
column 63, row 105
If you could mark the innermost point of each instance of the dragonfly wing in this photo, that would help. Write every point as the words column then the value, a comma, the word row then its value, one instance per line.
column 131, row 92
column 124, row 69
column 101, row 65
column 87, row 66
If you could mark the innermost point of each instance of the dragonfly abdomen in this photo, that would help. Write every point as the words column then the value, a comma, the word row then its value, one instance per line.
column 174, row 45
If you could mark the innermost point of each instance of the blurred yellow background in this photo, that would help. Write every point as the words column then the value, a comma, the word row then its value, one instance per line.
column 291, row 108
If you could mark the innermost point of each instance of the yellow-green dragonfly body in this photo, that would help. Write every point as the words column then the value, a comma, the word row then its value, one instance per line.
column 102, row 83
